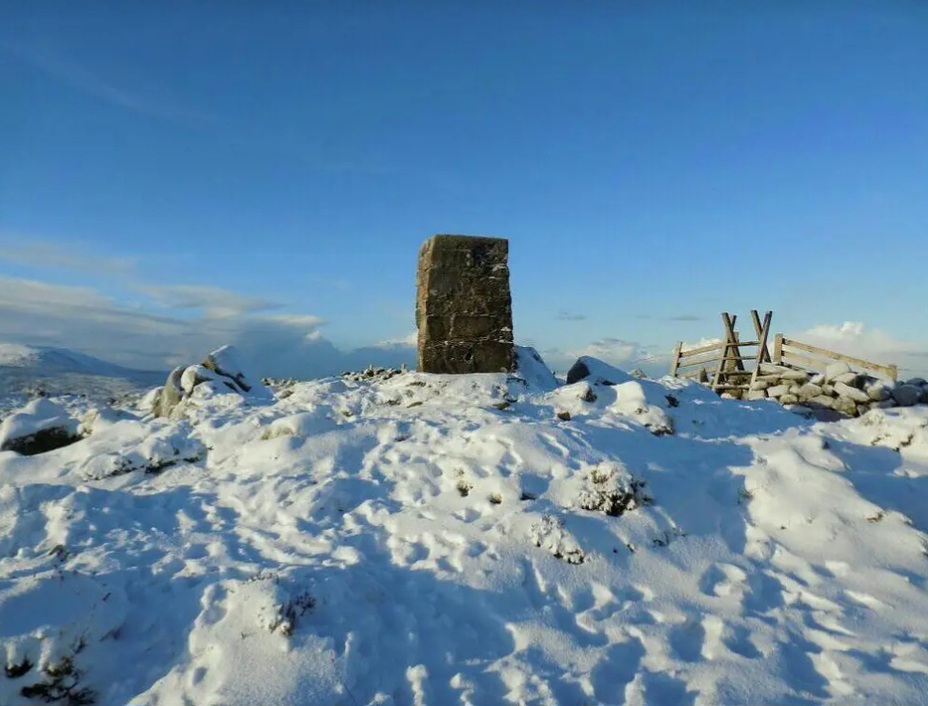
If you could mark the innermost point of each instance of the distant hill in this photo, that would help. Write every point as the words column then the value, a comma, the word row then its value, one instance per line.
column 24, row 370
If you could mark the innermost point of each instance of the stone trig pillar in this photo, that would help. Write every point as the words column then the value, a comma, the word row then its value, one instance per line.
column 463, row 305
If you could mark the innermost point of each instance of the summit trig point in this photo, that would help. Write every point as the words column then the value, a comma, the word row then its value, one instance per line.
column 463, row 305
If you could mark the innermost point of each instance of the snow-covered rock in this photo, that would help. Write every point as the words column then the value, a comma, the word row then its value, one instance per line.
column 596, row 372
column 220, row 373
column 42, row 425
column 531, row 368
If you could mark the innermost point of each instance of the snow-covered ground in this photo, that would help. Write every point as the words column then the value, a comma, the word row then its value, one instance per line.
column 482, row 539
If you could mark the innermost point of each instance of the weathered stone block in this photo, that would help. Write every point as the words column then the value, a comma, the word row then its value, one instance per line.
column 463, row 305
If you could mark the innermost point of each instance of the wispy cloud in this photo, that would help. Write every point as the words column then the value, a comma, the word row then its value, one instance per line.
column 677, row 318
column 568, row 316
column 33, row 252
column 215, row 301
column 150, row 102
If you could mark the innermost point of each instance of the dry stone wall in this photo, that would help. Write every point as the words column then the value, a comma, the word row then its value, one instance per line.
column 463, row 305
column 838, row 388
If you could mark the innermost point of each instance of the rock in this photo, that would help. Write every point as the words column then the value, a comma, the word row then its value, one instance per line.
column 852, row 379
column 778, row 391
column 639, row 374
column 822, row 401
column 464, row 306
column 846, row 405
column 800, row 376
column 171, row 393
column 773, row 369
column 150, row 401
column 220, row 372
column 924, row 398
column 887, row 404
column 906, row 395
column 818, row 379
column 224, row 362
column 596, row 372
column 532, row 368
column 878, row 392
column 795, row 389
column 917, row 382
column 810, row 390
column 853, row 393
column 578, row 371
column 195, row 375
column 862, row 409
column 835, row 369
column 760, row 385
column 41, row 426
column 789, row 399
column 828, row 388
column 756, row 395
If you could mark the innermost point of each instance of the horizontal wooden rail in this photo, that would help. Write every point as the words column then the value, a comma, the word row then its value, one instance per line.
column 784, row 354
column 699, row 361
column 702, row 349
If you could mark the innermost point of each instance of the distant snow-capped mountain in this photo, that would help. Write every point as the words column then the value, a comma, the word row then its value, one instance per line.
column 26, row 369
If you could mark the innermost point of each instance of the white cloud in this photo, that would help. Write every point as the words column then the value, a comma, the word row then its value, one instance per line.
column 614, row 351
column 856, row 339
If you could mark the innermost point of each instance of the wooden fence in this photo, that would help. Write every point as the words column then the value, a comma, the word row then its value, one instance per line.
column 726, row 359
column 787, row 351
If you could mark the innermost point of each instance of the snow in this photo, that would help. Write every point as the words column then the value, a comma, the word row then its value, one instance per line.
column 430, row 539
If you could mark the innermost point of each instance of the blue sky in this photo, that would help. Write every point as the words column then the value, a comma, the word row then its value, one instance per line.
column 265, row 172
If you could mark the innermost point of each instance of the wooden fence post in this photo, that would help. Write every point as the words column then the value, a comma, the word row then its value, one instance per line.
column 675, row 363
column 778, row 349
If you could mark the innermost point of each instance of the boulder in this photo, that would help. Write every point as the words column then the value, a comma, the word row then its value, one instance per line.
column 906, row 395
column 778, row 390
column 818, row 379
column 800, row 376
column 221, row 373
column 531, row 368
column 41, row 426
column 852, row 379
column 822, row 401
column 789, row 399
column 878, row 392
column 810, row 390
column 756, row 395
column 596, row 371
column 853, row 393
column 835, row 369
column 172, row 393
column 917, row 382
column 846, row 405
column 760, row 385
column 224, row 362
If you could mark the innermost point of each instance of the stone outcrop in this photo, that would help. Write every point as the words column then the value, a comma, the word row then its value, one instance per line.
column 221, row 372
column 463, row 305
